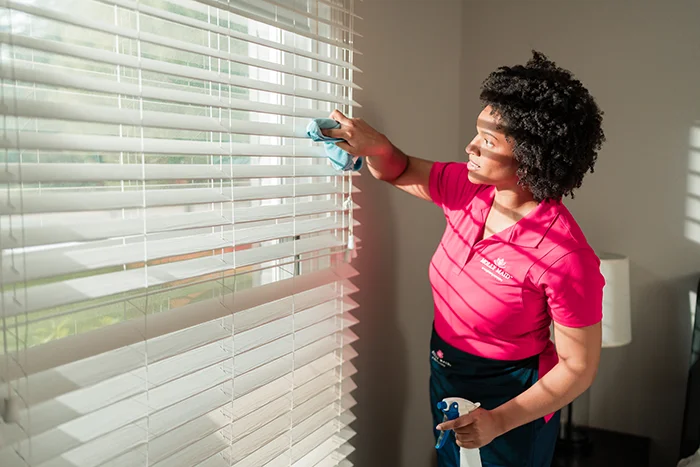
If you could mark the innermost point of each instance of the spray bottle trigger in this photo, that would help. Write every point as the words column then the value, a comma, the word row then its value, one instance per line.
column 450, row 413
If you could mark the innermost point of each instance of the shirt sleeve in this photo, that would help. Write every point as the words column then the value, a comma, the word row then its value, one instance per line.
column 574, row 289
column 449, row 185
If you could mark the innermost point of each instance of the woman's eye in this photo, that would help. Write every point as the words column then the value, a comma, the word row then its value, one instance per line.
column 488, row 143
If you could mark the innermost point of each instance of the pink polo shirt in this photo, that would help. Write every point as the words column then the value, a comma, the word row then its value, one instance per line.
column 497, row 297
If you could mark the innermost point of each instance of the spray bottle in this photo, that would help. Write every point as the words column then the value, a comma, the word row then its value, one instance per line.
column 455, row 407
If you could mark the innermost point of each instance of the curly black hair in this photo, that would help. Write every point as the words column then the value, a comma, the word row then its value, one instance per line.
column 553, row 120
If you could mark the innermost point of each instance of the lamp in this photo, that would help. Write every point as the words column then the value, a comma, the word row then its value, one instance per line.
column 617, row 331
column 617, row 319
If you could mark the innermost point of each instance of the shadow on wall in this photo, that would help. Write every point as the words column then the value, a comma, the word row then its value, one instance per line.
column 382, row 372
column 690, row 439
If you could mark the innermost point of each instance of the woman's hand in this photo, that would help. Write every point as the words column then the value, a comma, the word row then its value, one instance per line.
column 384, row 160
column 476, row 429
column 362, row 139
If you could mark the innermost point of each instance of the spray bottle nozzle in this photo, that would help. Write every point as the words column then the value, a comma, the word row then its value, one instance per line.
column 453, row 407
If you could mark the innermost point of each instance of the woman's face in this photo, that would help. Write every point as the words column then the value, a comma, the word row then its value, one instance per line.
column 491, row 160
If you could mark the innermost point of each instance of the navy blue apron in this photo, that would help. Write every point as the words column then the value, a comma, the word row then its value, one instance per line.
column 454, row 373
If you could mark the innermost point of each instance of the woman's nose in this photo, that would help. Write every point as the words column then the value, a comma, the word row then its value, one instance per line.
column 472, row 148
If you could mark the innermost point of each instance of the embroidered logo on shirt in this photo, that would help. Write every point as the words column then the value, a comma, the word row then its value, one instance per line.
column 437, row 356
column 495, row 269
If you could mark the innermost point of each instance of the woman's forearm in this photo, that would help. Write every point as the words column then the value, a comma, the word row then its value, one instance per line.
column 556, row 389
column 385, row 161
column 388, row 167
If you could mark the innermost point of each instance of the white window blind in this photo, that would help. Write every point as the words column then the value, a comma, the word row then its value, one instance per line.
column 175, row 262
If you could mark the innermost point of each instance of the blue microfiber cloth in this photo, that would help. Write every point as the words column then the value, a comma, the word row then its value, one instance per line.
column 340, row 159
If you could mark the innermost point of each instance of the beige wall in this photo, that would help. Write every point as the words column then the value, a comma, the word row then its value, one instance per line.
column 641, row 60
column 423, row 64
column 411, row 83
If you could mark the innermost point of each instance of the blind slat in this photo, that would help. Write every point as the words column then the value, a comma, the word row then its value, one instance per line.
column 340, row 8
column 57, row 294
column 114, row 399
column 106, row 375
column 111, row 422
column 201, row 25
column 58, row 201
column 55, row 354
column 99, row 143
column 157, row 66
column 48, row 416
column 216, row 460
column 69, row 260
column 62, row 172
column 101, row 114
column 291, row 341
column 336, row 448
column 55, row 76
column 248, row 407
column 270, row 22
column 55, row 230
column 317, row 444
column 261, row 376
column 248, row 425
column 100, row 26
column 311, row 16
column 181, row 439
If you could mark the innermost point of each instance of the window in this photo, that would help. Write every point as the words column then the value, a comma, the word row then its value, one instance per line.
column 175, row 264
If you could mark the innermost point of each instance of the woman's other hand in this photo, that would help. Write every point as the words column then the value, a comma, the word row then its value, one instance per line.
column 474, row 430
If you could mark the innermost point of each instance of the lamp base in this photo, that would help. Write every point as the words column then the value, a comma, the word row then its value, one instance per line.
column 575, row 443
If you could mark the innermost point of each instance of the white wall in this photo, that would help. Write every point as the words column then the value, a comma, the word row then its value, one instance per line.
column 411, row 84
column 641, row 61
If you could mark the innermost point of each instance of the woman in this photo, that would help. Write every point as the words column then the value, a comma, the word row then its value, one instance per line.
column 512, row 261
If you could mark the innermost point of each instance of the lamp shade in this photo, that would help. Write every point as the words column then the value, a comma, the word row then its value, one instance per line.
column 617, row 319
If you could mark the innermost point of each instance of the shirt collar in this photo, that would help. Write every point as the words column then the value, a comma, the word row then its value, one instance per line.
column 528, row 231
